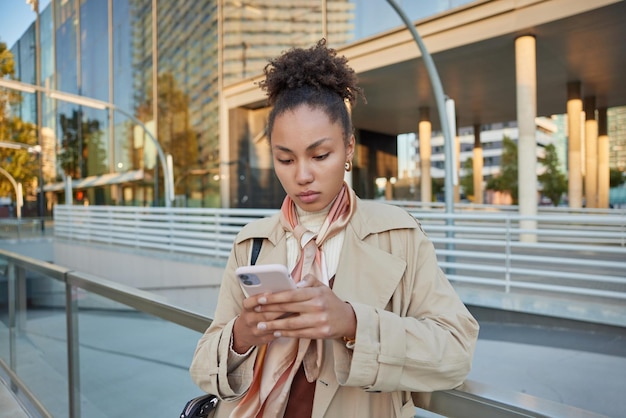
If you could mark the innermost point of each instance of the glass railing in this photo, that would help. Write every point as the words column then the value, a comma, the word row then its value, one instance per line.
column 76, row 345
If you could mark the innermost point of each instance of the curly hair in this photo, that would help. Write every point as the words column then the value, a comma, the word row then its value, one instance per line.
column 316, row 77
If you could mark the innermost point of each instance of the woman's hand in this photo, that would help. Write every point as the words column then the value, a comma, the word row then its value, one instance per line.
column 246, row 332
column 316, row 313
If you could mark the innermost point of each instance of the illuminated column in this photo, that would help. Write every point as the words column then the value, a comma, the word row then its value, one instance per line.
column 424, row 137
column 526, row 83
column 603, row 160
column 591, row 153
column 574, row 161
column 477, row 166
column 457, row 156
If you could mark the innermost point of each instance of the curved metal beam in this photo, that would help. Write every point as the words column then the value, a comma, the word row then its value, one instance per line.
column 440, row 98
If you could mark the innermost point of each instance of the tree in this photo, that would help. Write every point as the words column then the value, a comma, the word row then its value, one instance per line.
column 80, row 143
column 616, row 177
column 553, row 182
column 21, row 165
column 437, row 186
column 507, row 180
column 176, row 135
column 467, row 181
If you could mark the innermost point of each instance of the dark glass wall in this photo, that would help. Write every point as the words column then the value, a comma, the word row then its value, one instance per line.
column 188, row 97
column 24, row 57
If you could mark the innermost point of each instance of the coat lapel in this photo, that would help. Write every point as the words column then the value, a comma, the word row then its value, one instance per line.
column 367, row 274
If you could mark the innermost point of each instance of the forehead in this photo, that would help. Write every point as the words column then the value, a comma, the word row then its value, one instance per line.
column 305, row 124
column 303, row 114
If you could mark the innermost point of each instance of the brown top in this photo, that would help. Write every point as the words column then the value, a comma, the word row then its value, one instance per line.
column 302, row 393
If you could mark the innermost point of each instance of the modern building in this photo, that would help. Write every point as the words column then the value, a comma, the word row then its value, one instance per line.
column 500, row 61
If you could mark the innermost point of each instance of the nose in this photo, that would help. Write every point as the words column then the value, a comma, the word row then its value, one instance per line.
column 304, row 173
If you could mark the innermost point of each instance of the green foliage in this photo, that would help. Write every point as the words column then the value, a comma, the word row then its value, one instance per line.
column 553, row 182
column 21, row 165
column 467, row 181
column 616, row 177
column 437, row 187
column 7, row 64
column 81, row 143
column 175, row 132
column 507, row 180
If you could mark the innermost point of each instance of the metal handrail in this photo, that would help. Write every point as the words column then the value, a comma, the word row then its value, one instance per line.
column 573, row 253
column 470, row 400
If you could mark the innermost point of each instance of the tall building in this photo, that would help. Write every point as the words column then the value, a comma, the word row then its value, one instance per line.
column 617, row 133
column 117, row 51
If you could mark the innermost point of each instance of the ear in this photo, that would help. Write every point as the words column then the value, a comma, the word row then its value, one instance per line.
column 350, row 147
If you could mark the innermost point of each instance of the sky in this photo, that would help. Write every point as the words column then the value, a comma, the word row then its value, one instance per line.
column 15, row 17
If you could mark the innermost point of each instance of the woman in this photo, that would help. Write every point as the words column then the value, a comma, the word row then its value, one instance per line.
column 373, row 318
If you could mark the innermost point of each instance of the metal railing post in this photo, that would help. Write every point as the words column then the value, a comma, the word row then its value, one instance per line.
column 20, row 298
column 507, row 253
column 73, row 358
column 12, row 294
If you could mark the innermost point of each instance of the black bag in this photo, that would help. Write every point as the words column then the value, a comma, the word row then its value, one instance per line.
column 200, row 407
column 204, row 405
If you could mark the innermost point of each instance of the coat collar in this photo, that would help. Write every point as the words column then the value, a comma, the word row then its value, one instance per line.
column 371, row 217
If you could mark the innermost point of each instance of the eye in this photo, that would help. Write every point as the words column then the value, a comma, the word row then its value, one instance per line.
column 321, row 157
column 284, row 160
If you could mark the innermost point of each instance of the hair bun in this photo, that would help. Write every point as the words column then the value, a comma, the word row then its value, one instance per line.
column 318, row 67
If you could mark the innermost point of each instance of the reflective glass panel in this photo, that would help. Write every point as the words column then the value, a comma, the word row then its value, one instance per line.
column 132, row 364
column 40, row 345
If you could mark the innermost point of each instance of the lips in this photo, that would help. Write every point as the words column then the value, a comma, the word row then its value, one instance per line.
column 308, row 197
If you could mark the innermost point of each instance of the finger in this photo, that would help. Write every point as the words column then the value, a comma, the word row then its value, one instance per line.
column 252, row 302
column 309, row 281
column 300, row 326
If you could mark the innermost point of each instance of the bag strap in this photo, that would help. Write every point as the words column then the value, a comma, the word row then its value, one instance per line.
column 256, row 249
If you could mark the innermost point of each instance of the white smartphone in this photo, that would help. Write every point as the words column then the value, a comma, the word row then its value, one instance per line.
column 264, row 278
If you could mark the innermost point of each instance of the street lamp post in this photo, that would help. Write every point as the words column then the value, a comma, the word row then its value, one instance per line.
column 32, row 149
column 19, row 201
column 168, row 175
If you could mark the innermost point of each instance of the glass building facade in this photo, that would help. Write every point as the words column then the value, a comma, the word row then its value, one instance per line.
column 165, row 63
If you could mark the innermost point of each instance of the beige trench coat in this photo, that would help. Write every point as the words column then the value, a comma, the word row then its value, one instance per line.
column 413, row 332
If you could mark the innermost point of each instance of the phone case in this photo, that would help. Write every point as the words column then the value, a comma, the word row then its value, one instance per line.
column 264, row 278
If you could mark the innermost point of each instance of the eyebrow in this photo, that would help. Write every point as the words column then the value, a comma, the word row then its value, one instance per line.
column 309, row 148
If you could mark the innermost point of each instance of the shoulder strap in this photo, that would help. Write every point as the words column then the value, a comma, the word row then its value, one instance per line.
column 256, row 249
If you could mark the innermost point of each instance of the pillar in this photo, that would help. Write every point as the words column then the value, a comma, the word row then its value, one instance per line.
column 424, row 137
column 457, row 161
column 477, row 167
column 603, row 160
column 574, row 159
column 591, row 153
column 526, row 94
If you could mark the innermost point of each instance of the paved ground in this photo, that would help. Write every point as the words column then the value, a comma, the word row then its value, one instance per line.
column 9, row 407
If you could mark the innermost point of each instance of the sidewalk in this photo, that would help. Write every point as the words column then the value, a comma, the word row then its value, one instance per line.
column 9, row 407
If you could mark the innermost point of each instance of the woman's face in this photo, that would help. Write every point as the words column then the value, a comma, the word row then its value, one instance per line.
column 309, row 155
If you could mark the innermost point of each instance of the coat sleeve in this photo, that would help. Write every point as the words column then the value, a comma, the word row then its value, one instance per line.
column 422, row 341
column 214, row 368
